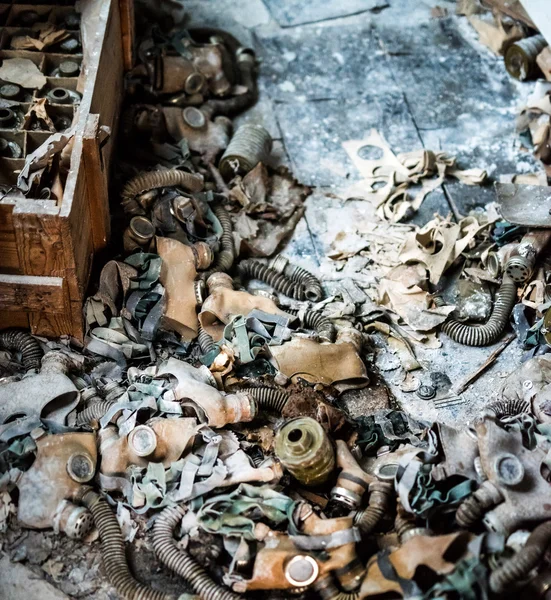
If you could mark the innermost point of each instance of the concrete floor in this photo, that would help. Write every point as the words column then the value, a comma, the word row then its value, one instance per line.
column 332, row 71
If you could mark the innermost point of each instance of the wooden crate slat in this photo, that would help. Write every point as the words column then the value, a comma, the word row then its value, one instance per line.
column 14, row 319
column 52, row 325
column 29, row 293
column 40, row 243
column 97, row 184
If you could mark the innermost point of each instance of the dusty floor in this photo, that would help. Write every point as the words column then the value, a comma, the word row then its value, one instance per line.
column 330, row 72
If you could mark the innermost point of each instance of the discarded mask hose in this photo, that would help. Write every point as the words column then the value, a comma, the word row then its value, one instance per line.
column 473, row 508
column 143, row 182
column 518, row 566
column 251, row 269
column 469, row 512
column 269, row 398
column 380, row 493
column 112, row 551
column 206, row 343
column 94, row 412
column 327, row 590
column 406, row 526
column 179, row 561
column 312, row 286
column 56, row 361
column 317, row 322
column 352, row 482
column 111, row 390
column 246, row 62
column 23, row 342
column 483, row 335
column 403, row 524
column 89, row 396
column 206, row 35
column 507, row 408
column 224, row 259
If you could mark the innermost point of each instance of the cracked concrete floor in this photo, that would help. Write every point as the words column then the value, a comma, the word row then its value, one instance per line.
column 330, row 72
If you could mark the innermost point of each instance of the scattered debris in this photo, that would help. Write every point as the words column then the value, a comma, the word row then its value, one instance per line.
column 388, row 179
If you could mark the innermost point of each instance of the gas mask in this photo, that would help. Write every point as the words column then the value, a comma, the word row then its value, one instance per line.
column 64, row 462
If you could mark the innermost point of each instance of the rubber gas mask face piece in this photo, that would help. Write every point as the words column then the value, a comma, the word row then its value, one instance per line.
column 50, row 396
column 64, row 462
column 159, row 440
column 196, row 388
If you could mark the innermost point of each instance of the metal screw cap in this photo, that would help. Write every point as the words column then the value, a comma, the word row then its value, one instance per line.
column 426, row 392
column 509, row 469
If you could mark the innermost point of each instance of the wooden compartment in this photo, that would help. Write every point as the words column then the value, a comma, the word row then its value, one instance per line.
column 47, row 245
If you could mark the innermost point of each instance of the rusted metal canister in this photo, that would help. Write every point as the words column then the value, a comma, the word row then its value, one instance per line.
column 250, row 145
column 520, row 57
column 305, row 451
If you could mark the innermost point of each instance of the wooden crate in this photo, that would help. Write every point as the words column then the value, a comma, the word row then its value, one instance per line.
column 47, row 246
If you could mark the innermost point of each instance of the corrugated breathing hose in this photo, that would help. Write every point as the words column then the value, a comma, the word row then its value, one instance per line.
column 483, row 335
column 230, row 106
column 206, row 343
column 326, row 589
column 204, row 35
column 113, row 553
column 252, row 269
column 15, row 340
column 517, row 567
column 56, row 361
column 403, row 523
column 93, row 412
column 317, row 322
column 472, row 509
column 269, row 398
column 224, row 259
column 257, row 460
column 342, row 596
column 312, row 285
column 507, row 408
column 179, row 561
column 469, row 512
column 143, row 182
column 380, row 493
